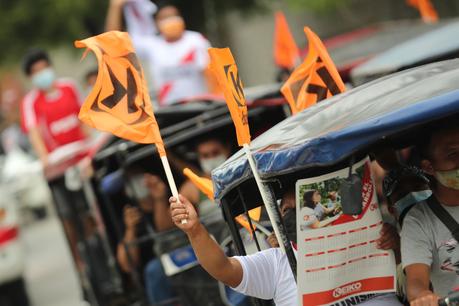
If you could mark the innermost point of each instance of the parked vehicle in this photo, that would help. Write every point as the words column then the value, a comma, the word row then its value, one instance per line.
column 390, row 112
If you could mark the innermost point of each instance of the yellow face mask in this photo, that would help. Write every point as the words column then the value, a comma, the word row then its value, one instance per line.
column 172, row 28
column 449, row 178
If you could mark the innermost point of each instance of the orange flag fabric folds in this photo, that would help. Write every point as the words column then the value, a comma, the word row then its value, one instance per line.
column 203, row 184
column 226, row 73
column 427, row 10
column 119, row 103
column 286, row 53
column 315, row 79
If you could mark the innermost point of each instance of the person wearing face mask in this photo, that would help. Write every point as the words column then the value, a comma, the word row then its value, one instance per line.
column 430, row 254
column 176, row 58
column 49, row 115
column 404, row 187
column 211, row 153
column 265, row 274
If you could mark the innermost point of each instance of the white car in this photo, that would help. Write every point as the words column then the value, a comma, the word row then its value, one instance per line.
column 24, row 177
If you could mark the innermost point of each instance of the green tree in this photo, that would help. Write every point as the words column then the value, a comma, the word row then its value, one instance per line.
column 27, row 23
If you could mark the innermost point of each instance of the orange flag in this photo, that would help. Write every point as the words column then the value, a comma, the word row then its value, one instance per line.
column 119, row 103
column 225, row 71
column 427, row 10
column 205, row 185
column 286, row 53
column 315, row 79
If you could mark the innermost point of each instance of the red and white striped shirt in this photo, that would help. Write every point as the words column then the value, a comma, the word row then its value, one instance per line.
column 55, row 115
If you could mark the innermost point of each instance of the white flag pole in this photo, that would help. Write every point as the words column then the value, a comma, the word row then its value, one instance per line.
column 171, row 181
column 268, row 204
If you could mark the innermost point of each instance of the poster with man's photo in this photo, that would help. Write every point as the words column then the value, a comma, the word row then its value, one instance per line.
column 338, row 262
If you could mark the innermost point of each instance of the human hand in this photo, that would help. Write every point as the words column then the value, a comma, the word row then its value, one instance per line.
column 158, row 189
column 184, row 210
column 131, row 217
column 272, row 241
column 426, row 298
column 389, row 238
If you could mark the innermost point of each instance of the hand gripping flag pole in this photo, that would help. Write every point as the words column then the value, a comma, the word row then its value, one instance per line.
column 120, row 103
column 225, row 71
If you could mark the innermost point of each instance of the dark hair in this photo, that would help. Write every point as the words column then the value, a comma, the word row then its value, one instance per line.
column 91, row 73
column 424, row 144
column 163, row 4
column 33, row 56
column 307, row 199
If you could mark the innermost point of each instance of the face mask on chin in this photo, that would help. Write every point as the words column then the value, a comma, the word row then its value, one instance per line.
column 449, row 179
column 172, row 28
column 410, row 199
column 209, row 164
column 44, row 79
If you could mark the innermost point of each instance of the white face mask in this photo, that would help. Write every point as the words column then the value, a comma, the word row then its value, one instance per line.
column 44, row 79
column 410, row 199
column 209, row 164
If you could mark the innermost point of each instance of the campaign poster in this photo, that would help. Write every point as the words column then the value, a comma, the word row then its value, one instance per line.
column 338, row 262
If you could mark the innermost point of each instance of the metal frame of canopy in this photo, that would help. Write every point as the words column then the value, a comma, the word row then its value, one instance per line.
column 329, row 135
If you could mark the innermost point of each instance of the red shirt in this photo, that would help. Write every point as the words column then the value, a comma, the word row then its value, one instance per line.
column 55, row 115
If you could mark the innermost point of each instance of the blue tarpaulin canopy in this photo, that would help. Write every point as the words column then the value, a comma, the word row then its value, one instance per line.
column 333, row 130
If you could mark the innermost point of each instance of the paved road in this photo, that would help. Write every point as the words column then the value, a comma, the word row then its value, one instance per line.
column 50, row 275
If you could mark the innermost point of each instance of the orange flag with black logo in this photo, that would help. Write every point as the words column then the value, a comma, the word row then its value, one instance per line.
column 119, row 103
column 286, row 53
column 315, row 79
column 426, row 9
column 205, row 185
column 226, row 73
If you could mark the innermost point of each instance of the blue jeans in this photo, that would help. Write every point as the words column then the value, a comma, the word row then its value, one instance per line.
column 157, row 284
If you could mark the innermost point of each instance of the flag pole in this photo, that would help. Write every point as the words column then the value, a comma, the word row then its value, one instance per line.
column 171, row 181
column 268, row 204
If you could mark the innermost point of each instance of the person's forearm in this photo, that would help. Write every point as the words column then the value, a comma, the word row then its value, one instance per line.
column 124, row 260
column 213, row 259
column 38, row 144
column 114, row 17
column 416, row 289
column 417, row 280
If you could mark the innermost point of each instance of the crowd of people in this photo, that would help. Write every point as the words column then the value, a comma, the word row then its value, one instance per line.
column 415, row 194
column 420, row 193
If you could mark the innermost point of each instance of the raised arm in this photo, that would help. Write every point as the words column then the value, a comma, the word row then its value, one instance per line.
column 210, row 255
column 114, row 20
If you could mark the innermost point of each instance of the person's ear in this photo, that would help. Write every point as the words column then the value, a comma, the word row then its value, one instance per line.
column 427, row 167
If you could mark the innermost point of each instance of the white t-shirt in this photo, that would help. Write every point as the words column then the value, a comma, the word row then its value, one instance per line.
column 139, row 17
column 426, row 240
column 267, row 275
column 176, row 68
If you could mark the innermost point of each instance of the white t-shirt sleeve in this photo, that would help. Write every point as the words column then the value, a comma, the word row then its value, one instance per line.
column 202, row 59
column 416, row 246
column 259, row 272
column 144, row 46
column 29, row 117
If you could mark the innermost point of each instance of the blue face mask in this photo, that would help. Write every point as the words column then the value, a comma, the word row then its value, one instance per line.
column 410, row 199
column 44, row 79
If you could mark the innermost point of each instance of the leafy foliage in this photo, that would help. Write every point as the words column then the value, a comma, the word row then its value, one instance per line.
column 321, row 6
column 26, row 23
